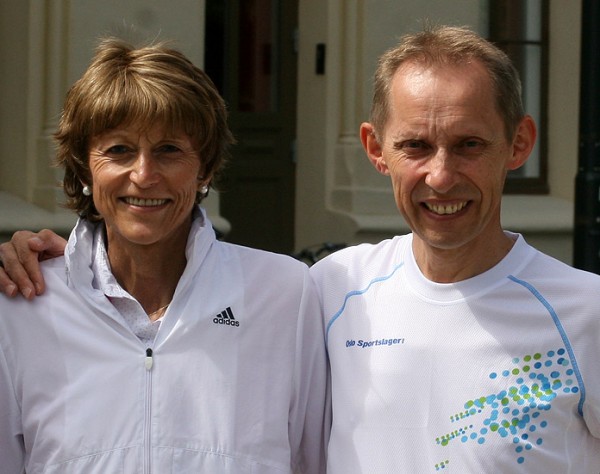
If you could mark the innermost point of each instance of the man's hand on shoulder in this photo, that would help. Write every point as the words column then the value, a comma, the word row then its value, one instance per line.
column 20, row 267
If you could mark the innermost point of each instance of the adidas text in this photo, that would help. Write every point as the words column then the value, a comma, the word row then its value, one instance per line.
column 226, row 317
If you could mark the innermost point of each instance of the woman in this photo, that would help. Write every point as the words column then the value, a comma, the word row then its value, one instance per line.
column 157, row 348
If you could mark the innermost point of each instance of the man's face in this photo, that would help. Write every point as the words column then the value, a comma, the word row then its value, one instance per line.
column 445, row 148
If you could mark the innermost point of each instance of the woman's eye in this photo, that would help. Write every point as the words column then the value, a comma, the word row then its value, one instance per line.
column 168, row 148
column 117, row 150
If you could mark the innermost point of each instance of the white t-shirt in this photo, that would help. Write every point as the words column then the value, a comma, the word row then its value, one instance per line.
column 499, row 373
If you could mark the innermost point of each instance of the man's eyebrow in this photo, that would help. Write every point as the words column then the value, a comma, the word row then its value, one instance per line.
column 408, row 135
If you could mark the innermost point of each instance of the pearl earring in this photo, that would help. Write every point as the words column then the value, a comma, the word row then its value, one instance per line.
column 87, row 191
column 203, row 190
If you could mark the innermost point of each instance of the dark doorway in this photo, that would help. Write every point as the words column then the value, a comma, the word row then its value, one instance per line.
column 251, row 56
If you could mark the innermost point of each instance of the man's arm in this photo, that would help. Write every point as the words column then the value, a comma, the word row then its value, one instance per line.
column 20, row 267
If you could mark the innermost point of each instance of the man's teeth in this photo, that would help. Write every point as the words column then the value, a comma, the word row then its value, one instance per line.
column 446, row 209
column 145, row 202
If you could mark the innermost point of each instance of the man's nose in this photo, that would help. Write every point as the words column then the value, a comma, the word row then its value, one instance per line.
column 442, row 173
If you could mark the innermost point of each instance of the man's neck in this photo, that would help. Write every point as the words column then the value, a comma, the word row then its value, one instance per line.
column 443, row 265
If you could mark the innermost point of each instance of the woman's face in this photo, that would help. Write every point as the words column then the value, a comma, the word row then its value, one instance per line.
column 144, row 183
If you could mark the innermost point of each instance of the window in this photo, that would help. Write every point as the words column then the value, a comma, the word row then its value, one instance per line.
column 520, row 28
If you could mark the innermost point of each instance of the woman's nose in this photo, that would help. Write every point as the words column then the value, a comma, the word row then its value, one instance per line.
column 145, row 171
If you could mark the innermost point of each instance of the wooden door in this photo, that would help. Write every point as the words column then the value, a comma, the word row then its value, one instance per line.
column 251, row 56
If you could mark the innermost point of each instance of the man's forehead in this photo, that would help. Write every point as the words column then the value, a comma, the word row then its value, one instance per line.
column 470, row 68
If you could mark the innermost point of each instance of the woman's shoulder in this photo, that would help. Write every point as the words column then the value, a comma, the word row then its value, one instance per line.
column 53, row 264
column 54, row 270
column 21, row 316
column 263, row 259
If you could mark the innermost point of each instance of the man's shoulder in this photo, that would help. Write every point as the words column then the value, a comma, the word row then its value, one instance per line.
column 546, row 268
column 363, row 258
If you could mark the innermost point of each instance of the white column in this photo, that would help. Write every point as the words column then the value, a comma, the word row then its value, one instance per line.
column 46, row 88
column 351, row 63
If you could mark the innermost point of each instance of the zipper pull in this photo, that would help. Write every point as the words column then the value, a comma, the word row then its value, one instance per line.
column 148, row 361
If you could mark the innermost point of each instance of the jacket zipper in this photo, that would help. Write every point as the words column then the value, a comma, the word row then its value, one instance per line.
column 148, row 362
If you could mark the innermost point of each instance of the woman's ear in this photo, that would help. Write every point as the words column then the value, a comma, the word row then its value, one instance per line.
column 373, row 148
column 523, row 143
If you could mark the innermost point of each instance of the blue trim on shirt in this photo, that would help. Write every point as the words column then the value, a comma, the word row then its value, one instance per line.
column 563, row 335
column 358, row 293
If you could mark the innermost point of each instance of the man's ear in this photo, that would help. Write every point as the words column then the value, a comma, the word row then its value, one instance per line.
column 523, row 143
column 373, row 148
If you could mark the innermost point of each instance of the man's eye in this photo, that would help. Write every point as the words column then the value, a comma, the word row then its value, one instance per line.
column 471, row 146
column 411, row 146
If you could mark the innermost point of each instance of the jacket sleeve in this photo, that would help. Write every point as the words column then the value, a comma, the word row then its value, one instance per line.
column 310, row 410
column 12, row 450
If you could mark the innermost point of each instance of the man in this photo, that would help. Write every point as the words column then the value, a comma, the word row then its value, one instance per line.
column 458, row 347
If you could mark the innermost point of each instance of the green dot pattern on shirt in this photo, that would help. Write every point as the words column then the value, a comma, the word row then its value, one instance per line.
column 516, row 412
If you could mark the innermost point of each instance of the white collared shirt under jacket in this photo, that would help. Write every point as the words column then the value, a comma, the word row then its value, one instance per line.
column 235, row 381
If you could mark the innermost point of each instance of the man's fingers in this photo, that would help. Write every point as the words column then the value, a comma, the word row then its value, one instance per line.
column 21, row 261
column 6, row 284
column 20, row 267
column 47, row 244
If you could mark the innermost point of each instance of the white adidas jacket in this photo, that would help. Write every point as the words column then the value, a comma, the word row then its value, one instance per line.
column 235, row 382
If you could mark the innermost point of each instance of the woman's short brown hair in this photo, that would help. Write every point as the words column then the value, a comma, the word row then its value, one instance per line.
column 151, row 85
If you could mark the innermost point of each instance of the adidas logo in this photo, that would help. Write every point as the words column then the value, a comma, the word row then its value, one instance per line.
column 226, row 317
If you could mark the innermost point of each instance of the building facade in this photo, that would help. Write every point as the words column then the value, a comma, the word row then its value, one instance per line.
column 336, row 194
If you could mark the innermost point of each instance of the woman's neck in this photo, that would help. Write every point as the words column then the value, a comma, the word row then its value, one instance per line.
column 150, row 273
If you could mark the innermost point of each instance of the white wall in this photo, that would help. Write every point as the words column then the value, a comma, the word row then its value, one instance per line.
column 13, row 87
column 135, row 20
